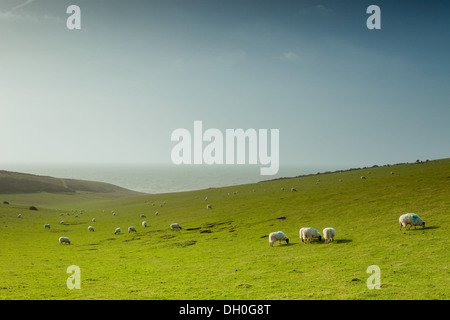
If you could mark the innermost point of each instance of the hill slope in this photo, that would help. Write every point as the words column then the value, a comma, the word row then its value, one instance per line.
column 224, row 253
column 14, row 183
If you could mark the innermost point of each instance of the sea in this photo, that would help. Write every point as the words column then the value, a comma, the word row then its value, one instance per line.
column 154, row 179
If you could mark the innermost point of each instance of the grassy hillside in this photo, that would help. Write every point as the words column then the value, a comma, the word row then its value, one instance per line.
column 18, row 183
column 224, row 253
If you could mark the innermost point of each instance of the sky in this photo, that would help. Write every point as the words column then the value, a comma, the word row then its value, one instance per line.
column 114, row 91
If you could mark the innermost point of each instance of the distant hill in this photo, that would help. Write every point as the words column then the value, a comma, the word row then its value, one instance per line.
column 14, row 183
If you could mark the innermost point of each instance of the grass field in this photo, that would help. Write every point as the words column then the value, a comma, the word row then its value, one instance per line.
column 224, row 253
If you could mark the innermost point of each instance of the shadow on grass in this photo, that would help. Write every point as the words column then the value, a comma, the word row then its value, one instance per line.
column 423, row 229
column 339, row 241
column 314, row 242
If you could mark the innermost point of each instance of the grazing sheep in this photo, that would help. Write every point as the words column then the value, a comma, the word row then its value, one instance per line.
column 64, row 240
column 329, row 234
column 143, row 216
column 309, row 233
column 175, row 226
column 206, row 198
column 144, row 224
column 47, row 226
column 156, row 213
column 131, row 229
column 293, row 189
column 19, row 215
column 93, row 219
column 392, row 172
column 62, row 222
column 412, row 219
column 277, row 236
column 208, row 206
column 117, row 231
column 300, row 233
column 91, row 228
column 363, row 177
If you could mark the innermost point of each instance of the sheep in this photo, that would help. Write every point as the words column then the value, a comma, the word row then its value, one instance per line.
column 156, row 213
column 293, row 189
column 412, row 219
column 309, row 233
column 277, row 236
column 131, row 229
column 363, row 177
column 117, row 231
column 300, row 233
column 144, row 224
column 91, row 228
column 61, row 222
column 175, row 226
column 19, row 215
column 208, row 206
column 93, row 219
column 143, row 216
column 64, row 240
column 47, row 226
column 328, row 234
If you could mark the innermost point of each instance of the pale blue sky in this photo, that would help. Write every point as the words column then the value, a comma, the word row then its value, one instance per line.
column 114, row 91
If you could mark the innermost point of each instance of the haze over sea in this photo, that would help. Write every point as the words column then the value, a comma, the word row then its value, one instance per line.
column 163, row 178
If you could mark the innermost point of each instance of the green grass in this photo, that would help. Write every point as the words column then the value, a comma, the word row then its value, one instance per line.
column 227, row 254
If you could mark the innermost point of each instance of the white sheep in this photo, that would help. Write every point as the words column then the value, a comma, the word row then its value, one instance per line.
column 309, row 233
column 300, row 233
column 93, row 219
column 328, row 234
column 175, row 226
column 143, row 216
column 131, row 229
column 293, row 189
column 91, row 228
column 208, row 206
column 47, row 226
column 117, row 231
column 412, row 219
column 156, row 213
column 19, row 215
column 61, row 222
column 363, row 177
column 144, row 224
column 64, row 240
column 277, row 236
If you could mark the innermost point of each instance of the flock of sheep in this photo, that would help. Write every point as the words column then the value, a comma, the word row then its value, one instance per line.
column 307, row 234
column 66, row 240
